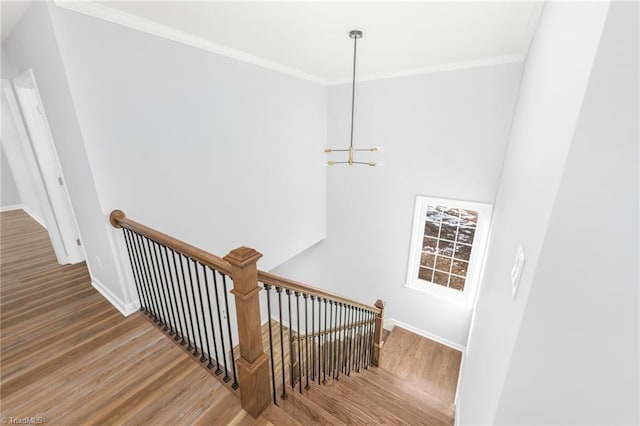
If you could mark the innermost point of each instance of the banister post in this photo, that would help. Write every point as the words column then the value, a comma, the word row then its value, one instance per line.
column 377, row 342
column 253, row 364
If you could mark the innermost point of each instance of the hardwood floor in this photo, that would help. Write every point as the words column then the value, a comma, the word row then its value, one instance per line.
column 422, row 363
column 69, row 357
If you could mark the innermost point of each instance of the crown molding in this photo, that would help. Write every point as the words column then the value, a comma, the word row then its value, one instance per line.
column 118, row 17
column 114, row 16
column 453, row 66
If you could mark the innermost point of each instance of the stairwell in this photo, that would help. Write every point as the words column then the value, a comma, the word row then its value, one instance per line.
column 417, row 389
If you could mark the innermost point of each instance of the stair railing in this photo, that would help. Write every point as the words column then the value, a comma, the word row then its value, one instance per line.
column 185, row 290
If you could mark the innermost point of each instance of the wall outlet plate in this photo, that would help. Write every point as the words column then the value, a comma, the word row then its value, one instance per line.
column 516, row 272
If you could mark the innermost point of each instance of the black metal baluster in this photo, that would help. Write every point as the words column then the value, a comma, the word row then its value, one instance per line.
column 203, row 333
column 182, row 297
column 267, row 288
column 226, row 305
column 306, row 335
column 178, row 326
column 135, row 248
column 372, row 331
column 324, row 349
column 331, row 338
column 149, row 283
column 358, row 341
column 369, row 334
column 297, row 294
column 165, row 289
column 226, row 377
column 161, row 296
column 203, row 358
column 134, row 269
column 282, row 363
column 362, row 339
column 340, row 340
column 186, row 295
column 313, row 337
column 350, row 351
column 195, row 311
column 319, row 338
column 213, row 328
column 288, row 293
column 153, row 281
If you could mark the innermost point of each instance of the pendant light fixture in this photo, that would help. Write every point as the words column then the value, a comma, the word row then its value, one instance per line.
column 355, row 35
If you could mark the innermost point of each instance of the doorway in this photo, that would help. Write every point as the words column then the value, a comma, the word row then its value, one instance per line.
column 41, row 157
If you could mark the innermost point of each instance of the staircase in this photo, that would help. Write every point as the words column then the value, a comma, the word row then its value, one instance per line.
column 317, row 357
column 373, row 395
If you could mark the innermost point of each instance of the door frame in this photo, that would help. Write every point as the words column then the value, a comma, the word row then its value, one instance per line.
column 46, row 169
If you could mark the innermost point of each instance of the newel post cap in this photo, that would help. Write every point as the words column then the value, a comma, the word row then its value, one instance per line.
column 242, row 256
column 115, row 217
column 380, row 304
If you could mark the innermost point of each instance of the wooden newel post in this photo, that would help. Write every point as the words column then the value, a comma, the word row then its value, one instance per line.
column 377, row 343
column 253, row 364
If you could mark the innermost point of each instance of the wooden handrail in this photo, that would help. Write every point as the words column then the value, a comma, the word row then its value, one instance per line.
column 119, row 220
column 275, row 280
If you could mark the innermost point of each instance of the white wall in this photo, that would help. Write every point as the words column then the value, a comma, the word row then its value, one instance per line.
column 428, row 125
column 9, row 196
column 551, row 93
column 211, row 150
column 39, row 51
column 576, row 356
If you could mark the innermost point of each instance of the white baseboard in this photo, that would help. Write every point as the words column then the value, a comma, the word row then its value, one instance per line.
column 389, row 323
column 27, row 211
column 35, row 216
column 11, row 208
column 125, row 309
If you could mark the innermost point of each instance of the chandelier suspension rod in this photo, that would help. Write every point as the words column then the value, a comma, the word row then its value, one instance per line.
column 355, row 36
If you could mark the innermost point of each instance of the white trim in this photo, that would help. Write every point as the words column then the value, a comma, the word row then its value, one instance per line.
column 27, row 211
column 134, row 22
column 11, row 208
column 35, row 216
column 452, row 66
column 100, row 11
column 389, row 323
column 125, row 309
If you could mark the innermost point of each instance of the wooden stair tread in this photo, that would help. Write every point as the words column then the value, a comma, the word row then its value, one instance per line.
column 277, row 416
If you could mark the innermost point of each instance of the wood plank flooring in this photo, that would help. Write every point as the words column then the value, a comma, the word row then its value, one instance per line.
column 69, row 357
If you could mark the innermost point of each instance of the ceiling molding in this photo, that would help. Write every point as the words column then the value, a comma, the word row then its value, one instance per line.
column 130, row 21
column 476, row 63
column 118, row 17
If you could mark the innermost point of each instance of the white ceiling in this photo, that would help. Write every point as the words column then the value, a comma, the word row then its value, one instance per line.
column 11, row 12
column 310, row 39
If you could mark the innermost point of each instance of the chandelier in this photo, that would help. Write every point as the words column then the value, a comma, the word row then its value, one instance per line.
column 355, row 35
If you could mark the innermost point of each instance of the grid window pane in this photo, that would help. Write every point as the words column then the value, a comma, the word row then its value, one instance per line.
column 447, row 243
column 462, row 251
column 441, row 278
column 429, row 244
column 443, row 264
column 427, row 259
column 425, row 274
column 457, row 283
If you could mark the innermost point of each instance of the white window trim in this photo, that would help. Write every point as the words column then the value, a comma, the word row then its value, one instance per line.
column 478, row 251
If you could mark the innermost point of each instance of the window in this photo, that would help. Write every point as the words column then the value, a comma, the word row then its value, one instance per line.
column 447, row 247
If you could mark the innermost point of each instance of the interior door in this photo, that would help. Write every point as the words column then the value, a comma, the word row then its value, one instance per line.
column 49, row 165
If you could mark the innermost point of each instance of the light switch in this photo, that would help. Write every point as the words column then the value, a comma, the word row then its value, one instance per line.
column 516, row 272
